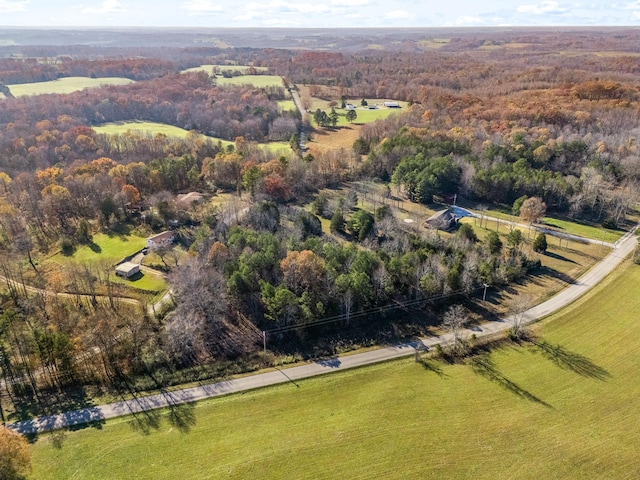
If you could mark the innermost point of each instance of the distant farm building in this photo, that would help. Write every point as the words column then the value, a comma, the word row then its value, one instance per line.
column 392, row 104
column 160, row 239
column 442, row 220
column 127, row 269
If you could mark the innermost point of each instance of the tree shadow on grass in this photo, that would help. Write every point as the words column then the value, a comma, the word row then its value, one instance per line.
column 552, row 272
column 180, row 414
column 182, row 417
column 483, row 365
column 571, row 361
column 432, row 365
column 145, row 421
column 558, row 257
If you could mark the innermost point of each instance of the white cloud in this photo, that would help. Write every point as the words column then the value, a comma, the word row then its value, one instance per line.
column 542, row 8
column 468, row 21
column 201, row 7
column 9, row 7
column 286, row 7
column 108, row 6
column 629, row 5
column 273, row 11
column 350, row 3
column 398, row 15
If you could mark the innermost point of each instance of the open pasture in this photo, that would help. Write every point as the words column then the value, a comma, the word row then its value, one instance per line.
column 217, row 69
column 258, row 81
column 560, row 408
column 153, row 128
column 64, row 85
column 287, row 105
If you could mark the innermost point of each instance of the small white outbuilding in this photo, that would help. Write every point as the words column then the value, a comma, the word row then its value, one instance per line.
column 127, row 269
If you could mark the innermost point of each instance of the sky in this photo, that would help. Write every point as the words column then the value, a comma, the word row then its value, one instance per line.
column 317, row 13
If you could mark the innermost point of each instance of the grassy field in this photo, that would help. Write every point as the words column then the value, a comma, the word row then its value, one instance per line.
column 64, row 85
column 153, row 128
column 365, row 115
column 565, row 226
column 210, row 69
column 517, row 412
column 286, row 105
column 325, row 139
column 257, row 81
column 109, row 247
column 433, row 43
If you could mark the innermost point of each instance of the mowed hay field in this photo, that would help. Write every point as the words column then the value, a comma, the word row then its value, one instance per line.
column 150, row 128
column 65, row 85
column 561, row 412
column 154, row 128
column 258, row 81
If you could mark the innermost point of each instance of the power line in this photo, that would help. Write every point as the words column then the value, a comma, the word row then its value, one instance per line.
column 364, row 313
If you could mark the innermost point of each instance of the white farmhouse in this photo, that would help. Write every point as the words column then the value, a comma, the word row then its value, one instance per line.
column 161, row 239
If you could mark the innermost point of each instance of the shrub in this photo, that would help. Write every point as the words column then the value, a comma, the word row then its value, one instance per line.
column 540, row 243
column 66, row 246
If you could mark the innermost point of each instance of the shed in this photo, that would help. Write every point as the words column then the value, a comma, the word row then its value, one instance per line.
column 127, row 269
column 442, row 220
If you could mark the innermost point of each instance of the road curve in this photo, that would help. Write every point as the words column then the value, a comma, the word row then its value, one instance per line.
column 624, row 247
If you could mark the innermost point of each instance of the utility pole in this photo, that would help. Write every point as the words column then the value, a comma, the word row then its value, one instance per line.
column 484, row 294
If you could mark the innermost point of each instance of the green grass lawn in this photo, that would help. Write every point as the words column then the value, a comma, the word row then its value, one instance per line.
column 365, row 115
column 153, row 128
column 144, row 281
column 523, row 412
column 255, row 80
column 287, row 105
column 64, row 85
column 110, row 247
column 565, row 226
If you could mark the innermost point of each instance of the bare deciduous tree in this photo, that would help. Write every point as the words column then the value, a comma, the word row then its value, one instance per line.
column 454, row 320
column 518, row 307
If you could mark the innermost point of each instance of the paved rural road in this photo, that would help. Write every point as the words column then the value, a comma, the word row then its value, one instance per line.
column 623, row 248
column 303, row 114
